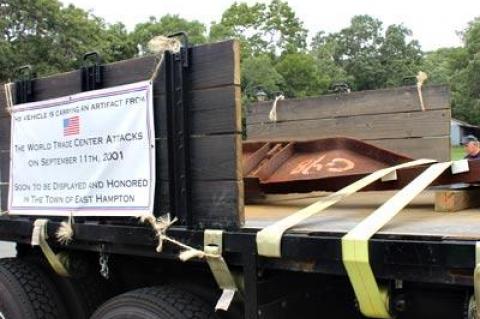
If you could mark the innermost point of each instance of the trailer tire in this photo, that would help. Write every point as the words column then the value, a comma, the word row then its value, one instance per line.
column 81, row 296
column 82, row 293
column 27, row 293
column 163, row 302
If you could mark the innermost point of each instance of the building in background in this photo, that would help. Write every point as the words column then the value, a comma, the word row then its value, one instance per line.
column 460, row 129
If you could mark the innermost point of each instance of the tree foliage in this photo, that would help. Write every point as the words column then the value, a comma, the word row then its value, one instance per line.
column 168, row 24
column 53, row 38
column 272, row 29
column 275, row 56
column 373, row 58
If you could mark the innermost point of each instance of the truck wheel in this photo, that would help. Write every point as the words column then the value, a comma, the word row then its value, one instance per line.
column 81, row 294
column 164, row 302
column 25, row 292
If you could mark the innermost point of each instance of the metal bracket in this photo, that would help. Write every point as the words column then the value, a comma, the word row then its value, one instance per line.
column 184, row 48
column 213, row 247
column 24, row 84
column 92, row 72
column 39, row 238
column 178, row 133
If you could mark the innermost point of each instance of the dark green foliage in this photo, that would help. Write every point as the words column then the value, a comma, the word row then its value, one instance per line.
column 53, row 38
column 460, row 68
column 275, row 57
column 168, row 24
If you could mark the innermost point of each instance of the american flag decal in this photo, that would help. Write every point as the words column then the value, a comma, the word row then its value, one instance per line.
column 71, row 126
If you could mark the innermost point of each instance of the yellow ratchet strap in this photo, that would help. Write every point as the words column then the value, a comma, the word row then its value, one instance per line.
column 372, row 299
column 39, row 238
column 269, row 239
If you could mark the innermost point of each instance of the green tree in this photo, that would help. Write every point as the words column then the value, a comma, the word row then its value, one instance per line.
column 324, row 50
column 301, row 75
column 441, row 65
column 371, row 57
column 466, row 81
column 259, row 73
column 168, row 24
column 356, row 50
column 53, row 38
column 400, row 58
column 261, row 28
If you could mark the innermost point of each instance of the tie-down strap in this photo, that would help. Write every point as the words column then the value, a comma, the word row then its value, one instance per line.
column 213, row 247
column 39, row 238
column 269, row 239
column 372, row 299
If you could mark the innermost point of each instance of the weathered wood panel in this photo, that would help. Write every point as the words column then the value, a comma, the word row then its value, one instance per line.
column 397, row 125
column 3, row 197
column 4, row 166
column 3, row 102
column 213, row 65
column 430, row 147
column 390, row 118
column 214, row 100
column 5, row 132
column 212, row 157
column 386, row 101
column 211, row 200
column 211, row 111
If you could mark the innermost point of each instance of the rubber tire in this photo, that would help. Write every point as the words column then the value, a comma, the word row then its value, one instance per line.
column 163, row 302
column 27, row 293
column 81, row 296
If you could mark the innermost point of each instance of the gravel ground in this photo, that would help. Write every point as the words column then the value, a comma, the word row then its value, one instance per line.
column 7, row 249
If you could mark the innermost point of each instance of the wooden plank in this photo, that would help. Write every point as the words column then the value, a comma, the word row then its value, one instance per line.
column 3, row 197
column 5, row 133
column 213, row 65
column 3, row 102
column 213, row 203
column 456, row 200
column 211, row 111
column 417, row 219
column 386, row 101
column 4, row 166
column 400, row 125
column 437, row 148
column 212, row 157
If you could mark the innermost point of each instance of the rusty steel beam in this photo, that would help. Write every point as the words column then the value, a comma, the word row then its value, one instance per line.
column 329, row 165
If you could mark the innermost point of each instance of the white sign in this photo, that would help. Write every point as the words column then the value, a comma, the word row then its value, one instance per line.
column 90, row 154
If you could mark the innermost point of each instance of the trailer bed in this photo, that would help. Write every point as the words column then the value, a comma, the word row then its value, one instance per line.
column 419, row 219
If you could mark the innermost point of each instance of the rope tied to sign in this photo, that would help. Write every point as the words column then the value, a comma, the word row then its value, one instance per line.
column 8, row 97
column 421, row 78
column 160, row 225
column 272, row 116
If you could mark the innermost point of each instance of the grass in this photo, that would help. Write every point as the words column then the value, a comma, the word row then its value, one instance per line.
column 457, row 153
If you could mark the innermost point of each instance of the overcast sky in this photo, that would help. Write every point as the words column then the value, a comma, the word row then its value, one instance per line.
column 434, row 23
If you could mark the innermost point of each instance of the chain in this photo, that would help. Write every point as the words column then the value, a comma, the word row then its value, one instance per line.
column 104, row 270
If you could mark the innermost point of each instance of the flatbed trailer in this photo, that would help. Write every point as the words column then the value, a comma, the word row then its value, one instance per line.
column 425, row 259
